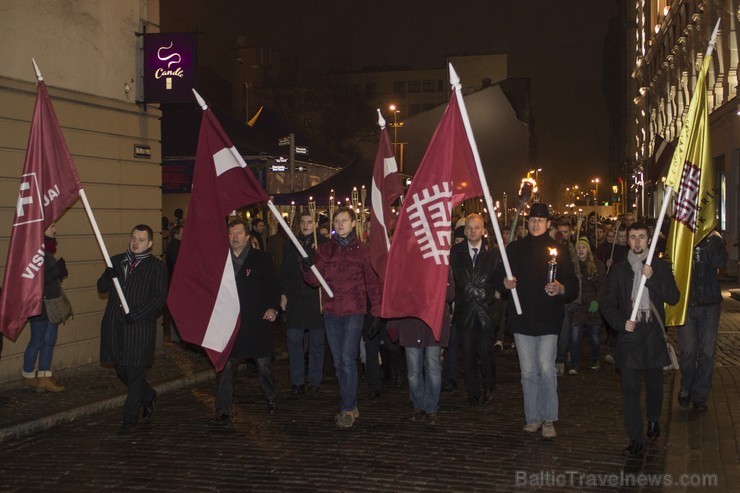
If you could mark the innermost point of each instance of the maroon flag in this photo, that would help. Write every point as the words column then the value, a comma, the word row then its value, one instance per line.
column 386, row 189
column 418, row 261
column 202, row 298
column 49, row 185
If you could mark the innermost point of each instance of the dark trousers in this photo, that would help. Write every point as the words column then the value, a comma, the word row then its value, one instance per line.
column 391, row 354
column 451, row 354
column 139, row 391
column 631, row 394
column 477, row 346
column 225, row 393
column 564, row 339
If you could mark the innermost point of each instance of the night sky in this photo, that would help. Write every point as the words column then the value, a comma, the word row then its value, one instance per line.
column 558, row 44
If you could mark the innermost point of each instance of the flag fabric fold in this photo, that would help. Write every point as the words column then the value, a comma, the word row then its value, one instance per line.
column 386, row 189
column 49, row 185
column 203, row 299
column 691, row 176
column 418, row 260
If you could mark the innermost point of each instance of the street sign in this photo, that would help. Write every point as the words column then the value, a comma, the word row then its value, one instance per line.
column 284, row 141
column 302, row 168
column 279, row 168
column 301, row 150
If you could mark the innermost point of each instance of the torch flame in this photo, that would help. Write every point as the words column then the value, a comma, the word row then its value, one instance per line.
column 553, row 252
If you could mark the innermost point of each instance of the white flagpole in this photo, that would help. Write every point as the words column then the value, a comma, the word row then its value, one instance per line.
column 381, row 124
column 668, row 194
column 94, row 224
column 274, row 211
column 455, row 82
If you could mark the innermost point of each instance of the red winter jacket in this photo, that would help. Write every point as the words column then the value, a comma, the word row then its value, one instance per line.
column 350, row 276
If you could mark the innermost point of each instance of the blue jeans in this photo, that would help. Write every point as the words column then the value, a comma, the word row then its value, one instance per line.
column 425, row 377
column 315, row 356
column 343, row 335
column 41, row 346
column 697, row 338
column 539, row 380
column 593, row 331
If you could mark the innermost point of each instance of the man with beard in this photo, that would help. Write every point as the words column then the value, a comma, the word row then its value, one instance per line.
column 302, row 307
column 127, row 339
column 641, row 344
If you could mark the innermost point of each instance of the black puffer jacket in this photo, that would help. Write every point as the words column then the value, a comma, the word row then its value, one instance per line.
column 475, row 292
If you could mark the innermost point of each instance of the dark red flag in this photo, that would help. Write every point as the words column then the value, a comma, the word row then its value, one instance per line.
column 49, row 185
column 386, row 189
column 202, row 298
column 418, row 261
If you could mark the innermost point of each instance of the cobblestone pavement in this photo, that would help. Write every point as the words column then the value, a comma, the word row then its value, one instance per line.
column 299, row 448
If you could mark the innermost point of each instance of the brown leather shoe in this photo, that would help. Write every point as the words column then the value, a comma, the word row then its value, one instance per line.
column 48, row 383
column 32, row 382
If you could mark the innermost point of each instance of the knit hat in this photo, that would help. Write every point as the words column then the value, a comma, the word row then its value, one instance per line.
column 584, row 241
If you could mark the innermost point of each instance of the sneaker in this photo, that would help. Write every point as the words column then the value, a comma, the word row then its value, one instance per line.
column 345, row 419
column 548, row 430
column 313, row 391
column 417, row 415
column 560, row 369
column 533, row 427
column 595, row 366
column 295, row 392
column 609, row 359
column 498, row 346
column 433, row 419
column 355, row 413
column 572, row 371
column 48, row 383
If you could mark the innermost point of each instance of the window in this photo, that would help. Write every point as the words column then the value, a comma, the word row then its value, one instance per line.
column 399, row 88
column 429, row 86
column 414, row 86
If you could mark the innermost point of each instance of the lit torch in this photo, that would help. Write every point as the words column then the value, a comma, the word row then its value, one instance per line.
column 552, row 265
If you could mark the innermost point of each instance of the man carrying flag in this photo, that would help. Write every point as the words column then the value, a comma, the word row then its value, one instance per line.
column 203, row 297
column 695, row 249
column 386, row 189
column 49, row 185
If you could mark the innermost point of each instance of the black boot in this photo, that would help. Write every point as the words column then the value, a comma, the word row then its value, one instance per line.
column 653, row 430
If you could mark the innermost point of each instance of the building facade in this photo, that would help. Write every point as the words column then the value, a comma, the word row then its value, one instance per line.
column 89, row 55
column 668, row 45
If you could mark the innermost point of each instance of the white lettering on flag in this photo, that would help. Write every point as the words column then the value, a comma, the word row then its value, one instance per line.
column 224, row 161
column 429, row 214
column 225, row 311
column 685, row 208
column 28, row 207
column 389, row 166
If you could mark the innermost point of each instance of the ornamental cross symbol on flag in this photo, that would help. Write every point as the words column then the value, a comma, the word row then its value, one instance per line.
column 430, row 215
column 688, row 194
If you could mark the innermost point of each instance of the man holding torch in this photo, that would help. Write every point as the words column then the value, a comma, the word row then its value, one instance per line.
column 545, row 281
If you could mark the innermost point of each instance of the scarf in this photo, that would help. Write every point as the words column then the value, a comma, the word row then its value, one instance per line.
column 50, row 244
column 636, row 262
column 131, row 260
column 306, row 241
column 344, row 242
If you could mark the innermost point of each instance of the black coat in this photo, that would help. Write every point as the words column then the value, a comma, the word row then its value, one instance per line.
column 645, row 347
column 542, row 314
column 303, row 309
column 145, row 291
column 475, row 291
column 258, row 292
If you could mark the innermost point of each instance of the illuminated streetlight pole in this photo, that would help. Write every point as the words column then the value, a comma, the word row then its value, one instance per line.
column 397, row 148
column 596, row 191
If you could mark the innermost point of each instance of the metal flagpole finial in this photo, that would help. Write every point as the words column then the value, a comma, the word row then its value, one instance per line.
column 200, row 100
column 713, row 39
column 36, row 69
column 454, row 79
column 381, row 120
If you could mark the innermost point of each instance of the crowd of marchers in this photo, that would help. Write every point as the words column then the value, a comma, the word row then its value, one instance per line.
column 571, row 278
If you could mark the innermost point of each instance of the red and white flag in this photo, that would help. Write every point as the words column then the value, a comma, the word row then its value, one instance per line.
column 386, row 189
column 418, row 261
column 203, row 299
column 49, row 185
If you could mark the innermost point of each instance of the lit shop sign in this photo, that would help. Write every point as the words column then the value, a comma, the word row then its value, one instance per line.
column 169, row 67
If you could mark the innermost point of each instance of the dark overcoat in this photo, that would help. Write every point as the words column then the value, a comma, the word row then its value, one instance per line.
column 475, row 290
column 645, row 347
column 303, row 309
column 145, row 291
column 258, row 292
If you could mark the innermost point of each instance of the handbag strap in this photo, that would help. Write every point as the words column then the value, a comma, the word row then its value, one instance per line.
column 660, row 320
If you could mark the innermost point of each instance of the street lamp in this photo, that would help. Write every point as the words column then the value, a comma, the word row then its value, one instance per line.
column 595, row 181
column 395, row 126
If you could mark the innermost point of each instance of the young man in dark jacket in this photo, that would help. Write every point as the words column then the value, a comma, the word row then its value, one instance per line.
column 697, row 338
column 536, row 330
column 640, row 344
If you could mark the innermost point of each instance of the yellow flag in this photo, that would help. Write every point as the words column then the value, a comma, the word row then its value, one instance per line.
column 695, row 210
